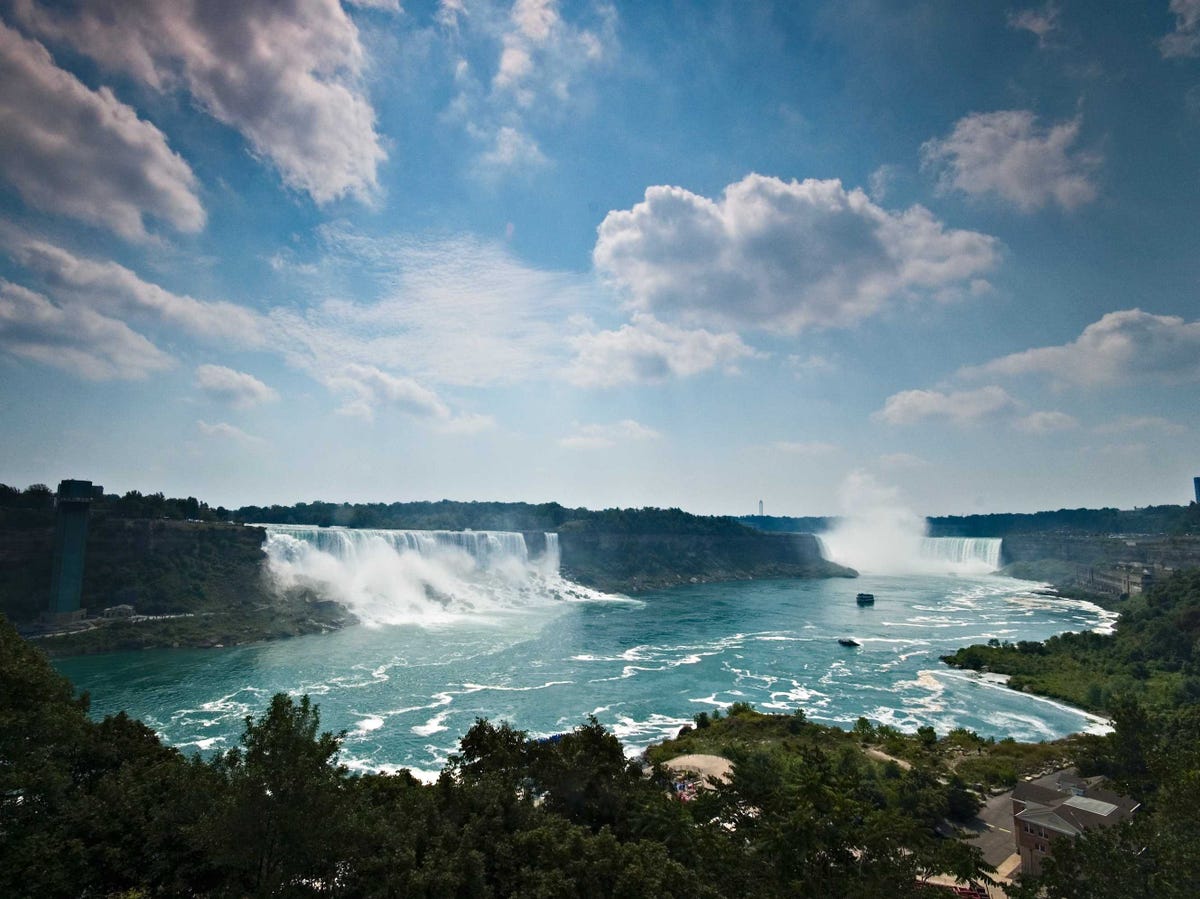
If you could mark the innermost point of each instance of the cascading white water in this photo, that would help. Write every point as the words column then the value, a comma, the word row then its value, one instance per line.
column 880, row 534
column 419, row 577
column 982, row 554
column 552, row 557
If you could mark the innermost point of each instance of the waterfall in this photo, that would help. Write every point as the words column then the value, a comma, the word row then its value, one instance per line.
column 347, row 543
column 421, row 577
column 977, row 553
column 552, row 558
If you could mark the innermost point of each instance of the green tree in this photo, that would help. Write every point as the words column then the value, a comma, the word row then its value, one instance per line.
column 284, row 816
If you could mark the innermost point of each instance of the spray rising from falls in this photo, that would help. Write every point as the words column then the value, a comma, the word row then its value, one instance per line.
column 879, row 534
column 420, row 577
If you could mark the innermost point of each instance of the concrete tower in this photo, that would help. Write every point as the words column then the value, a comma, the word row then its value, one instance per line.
column 72, row 505
column 760, row 501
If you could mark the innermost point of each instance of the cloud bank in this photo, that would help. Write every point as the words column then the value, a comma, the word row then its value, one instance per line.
column 74, row 338
column 647, row 350
column 960, row 407
column 285, row 73
column 784, row 255
column 1008, row 155
column 81, row 153
column 233, row 388
column 1121, row 347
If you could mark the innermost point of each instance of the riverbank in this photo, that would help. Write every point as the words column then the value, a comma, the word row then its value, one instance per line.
column 284, row 617
column 1150, row 657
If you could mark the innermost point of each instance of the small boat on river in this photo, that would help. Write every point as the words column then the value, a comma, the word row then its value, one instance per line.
column 865, row 599
column 848, row 641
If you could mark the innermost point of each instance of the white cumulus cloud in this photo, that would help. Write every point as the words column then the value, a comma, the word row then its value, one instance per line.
column 544, row 58
column 284, row 73
column 597, row 436
column 368, row 389
column 961, row 407
column 1185, row 39
column 1041, row 22
column 1130, row 345
column 648, row 350
column 116, row 289
column 782, row 255
column 1009, row 155
column 81, row 153
column 233, row 388
column 74, row 338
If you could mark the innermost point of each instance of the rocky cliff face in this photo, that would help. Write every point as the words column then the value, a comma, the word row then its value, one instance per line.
column 1089, row 550
column 633, row 562
column 160, row 567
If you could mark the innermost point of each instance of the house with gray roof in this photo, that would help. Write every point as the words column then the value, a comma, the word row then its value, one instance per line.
column 1042, row 814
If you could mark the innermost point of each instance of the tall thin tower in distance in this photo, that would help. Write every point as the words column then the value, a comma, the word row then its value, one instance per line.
column 1197, row 494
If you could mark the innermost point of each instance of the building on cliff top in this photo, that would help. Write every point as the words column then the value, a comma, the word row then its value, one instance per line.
column 1043, row 815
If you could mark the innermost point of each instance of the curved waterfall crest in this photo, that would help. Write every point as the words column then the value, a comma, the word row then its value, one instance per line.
column 981, row 551
column 345, row 543
column 420, row 577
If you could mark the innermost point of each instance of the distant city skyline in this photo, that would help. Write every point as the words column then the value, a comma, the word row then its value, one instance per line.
column 928, row 254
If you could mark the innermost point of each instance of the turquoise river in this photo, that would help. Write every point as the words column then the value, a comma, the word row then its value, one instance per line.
column 505, row 638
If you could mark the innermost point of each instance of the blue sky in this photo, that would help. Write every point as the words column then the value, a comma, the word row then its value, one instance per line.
column 673, row 254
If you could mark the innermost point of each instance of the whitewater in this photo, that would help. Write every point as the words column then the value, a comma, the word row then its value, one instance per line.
column 464, row 625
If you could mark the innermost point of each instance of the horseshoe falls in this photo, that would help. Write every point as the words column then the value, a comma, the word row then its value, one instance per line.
column 977, row 554
column 459, row 626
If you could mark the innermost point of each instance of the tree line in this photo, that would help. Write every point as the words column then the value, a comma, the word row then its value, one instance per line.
column 35, row 504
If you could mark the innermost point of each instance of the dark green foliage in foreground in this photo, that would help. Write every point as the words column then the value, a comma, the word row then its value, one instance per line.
column 1155, row 757
column 1147, row 676
column 1153, row 657
column 104, row 809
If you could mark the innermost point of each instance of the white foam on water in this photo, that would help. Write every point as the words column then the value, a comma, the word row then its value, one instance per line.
column 426, row 578
column 636, row 735
column 1095, row 724
column 368, row 724
column 434, row 725
column 507, row 688
column 203, row 745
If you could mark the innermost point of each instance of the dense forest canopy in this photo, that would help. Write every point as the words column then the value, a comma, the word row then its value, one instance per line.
column 36, row 502
column 35, row 505
column 1147, row 520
